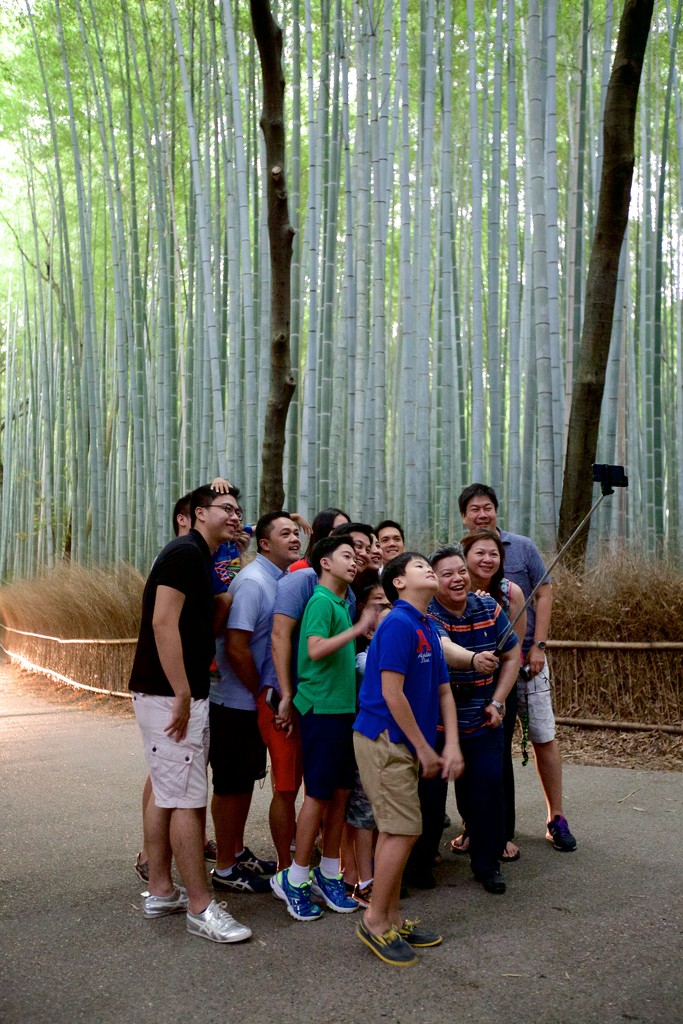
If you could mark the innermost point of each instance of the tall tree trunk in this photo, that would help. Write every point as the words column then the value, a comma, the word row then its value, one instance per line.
column 281, row 234
column 615, row 195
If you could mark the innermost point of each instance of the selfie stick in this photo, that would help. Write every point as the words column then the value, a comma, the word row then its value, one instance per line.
column 608, row 477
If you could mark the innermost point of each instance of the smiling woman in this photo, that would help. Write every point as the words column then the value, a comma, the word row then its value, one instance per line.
column 485, row 557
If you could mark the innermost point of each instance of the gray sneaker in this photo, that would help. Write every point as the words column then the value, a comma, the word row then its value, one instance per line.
column 160, row 906
column 216, row 924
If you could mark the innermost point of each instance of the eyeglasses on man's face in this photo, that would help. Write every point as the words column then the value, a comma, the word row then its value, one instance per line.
column 230, row 510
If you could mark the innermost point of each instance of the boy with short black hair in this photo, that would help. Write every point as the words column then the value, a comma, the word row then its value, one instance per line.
column 326, row 702
column 404, row 689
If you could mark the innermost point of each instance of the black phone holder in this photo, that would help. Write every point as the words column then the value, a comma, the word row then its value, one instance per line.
column 609, row 477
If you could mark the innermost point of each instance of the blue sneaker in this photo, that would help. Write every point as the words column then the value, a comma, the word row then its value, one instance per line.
column 333, row 892
column 297, row 898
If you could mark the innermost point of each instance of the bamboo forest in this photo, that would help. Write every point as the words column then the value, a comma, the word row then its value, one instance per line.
column 443, row 165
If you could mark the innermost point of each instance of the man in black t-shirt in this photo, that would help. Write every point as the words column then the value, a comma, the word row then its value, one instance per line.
column 170, row 685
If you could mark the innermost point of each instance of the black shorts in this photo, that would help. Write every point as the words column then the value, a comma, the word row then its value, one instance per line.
column 237, row 754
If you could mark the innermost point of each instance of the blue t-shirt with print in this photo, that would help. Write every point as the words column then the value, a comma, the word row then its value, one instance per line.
column 406, row 641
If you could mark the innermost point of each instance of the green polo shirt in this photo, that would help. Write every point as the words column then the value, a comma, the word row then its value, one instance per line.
column 327, row 686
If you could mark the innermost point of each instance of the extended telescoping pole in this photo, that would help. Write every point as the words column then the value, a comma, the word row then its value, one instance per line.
column 609, row 477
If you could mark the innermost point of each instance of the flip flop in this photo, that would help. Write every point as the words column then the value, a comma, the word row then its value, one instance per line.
column 507, row 859
column 457, row 845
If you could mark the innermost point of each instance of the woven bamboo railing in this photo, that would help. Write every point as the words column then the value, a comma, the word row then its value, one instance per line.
column 628, row 685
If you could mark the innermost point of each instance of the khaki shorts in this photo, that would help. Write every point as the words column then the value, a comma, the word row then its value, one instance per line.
column 535, row 701
column 177, row 770
column 389, row 773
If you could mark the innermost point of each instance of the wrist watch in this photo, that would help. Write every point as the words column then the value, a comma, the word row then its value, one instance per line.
column 500, row 708
column 541, row 644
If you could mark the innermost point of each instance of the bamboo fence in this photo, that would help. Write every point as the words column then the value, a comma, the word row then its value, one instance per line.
column 627, row 685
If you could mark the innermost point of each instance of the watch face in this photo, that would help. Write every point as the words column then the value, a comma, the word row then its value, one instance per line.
column 540, row 644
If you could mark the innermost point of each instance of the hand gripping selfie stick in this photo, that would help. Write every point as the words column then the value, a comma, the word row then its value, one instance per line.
column 608, row 477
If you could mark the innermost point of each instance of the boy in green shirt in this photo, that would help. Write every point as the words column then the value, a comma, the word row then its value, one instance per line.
column 326, row 702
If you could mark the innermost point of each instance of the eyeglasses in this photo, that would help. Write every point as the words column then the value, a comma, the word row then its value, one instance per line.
column 230, row 510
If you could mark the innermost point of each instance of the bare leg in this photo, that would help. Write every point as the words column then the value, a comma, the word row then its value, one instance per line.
column 334, row 823
column 156, row 823
column 230, row 812
column 391, row 855
column 307, row 827
column 549, row 768
column 187, row 840
column 350, row 867
column 365, row 839
column 146, row 794
column 282, row 817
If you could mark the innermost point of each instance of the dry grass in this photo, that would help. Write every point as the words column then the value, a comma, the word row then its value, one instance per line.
column 71, row 601
column 623, row 598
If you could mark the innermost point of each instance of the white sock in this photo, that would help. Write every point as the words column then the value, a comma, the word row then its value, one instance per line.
column 362, row 885
column 330, row 867
column 224, row 872
column 240, row 854
column 298, row 874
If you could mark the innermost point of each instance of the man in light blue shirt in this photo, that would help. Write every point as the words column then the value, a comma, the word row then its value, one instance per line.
column 237, row 753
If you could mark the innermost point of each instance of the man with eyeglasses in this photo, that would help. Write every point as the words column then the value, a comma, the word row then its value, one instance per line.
column 170, row 688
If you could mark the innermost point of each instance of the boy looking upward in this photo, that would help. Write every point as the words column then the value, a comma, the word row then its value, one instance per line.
column 404, row 688
column 326, row 703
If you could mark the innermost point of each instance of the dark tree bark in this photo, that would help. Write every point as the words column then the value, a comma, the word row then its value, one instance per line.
column 268, row 36
column 613, row 206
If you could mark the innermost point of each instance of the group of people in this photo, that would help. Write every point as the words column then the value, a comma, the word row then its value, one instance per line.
column 370, row 674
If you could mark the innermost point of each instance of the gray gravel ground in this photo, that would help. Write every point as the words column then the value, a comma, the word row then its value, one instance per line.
column 593, row 936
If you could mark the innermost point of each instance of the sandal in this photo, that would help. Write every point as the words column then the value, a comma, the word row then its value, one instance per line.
column 461, row 844
column 506, row 857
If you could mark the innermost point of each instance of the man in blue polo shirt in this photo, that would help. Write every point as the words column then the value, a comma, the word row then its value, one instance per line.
column 404, row 688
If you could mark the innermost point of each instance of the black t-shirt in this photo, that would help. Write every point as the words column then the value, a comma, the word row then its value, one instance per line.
column 183, row 565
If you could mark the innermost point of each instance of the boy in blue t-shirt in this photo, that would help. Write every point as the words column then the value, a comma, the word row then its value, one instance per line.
column 404, row 689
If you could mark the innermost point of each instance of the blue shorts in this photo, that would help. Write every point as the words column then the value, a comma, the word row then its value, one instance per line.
column 327, row 748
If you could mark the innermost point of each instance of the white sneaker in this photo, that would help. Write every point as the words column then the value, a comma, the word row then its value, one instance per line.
column 216, row 924
column 160, row 906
